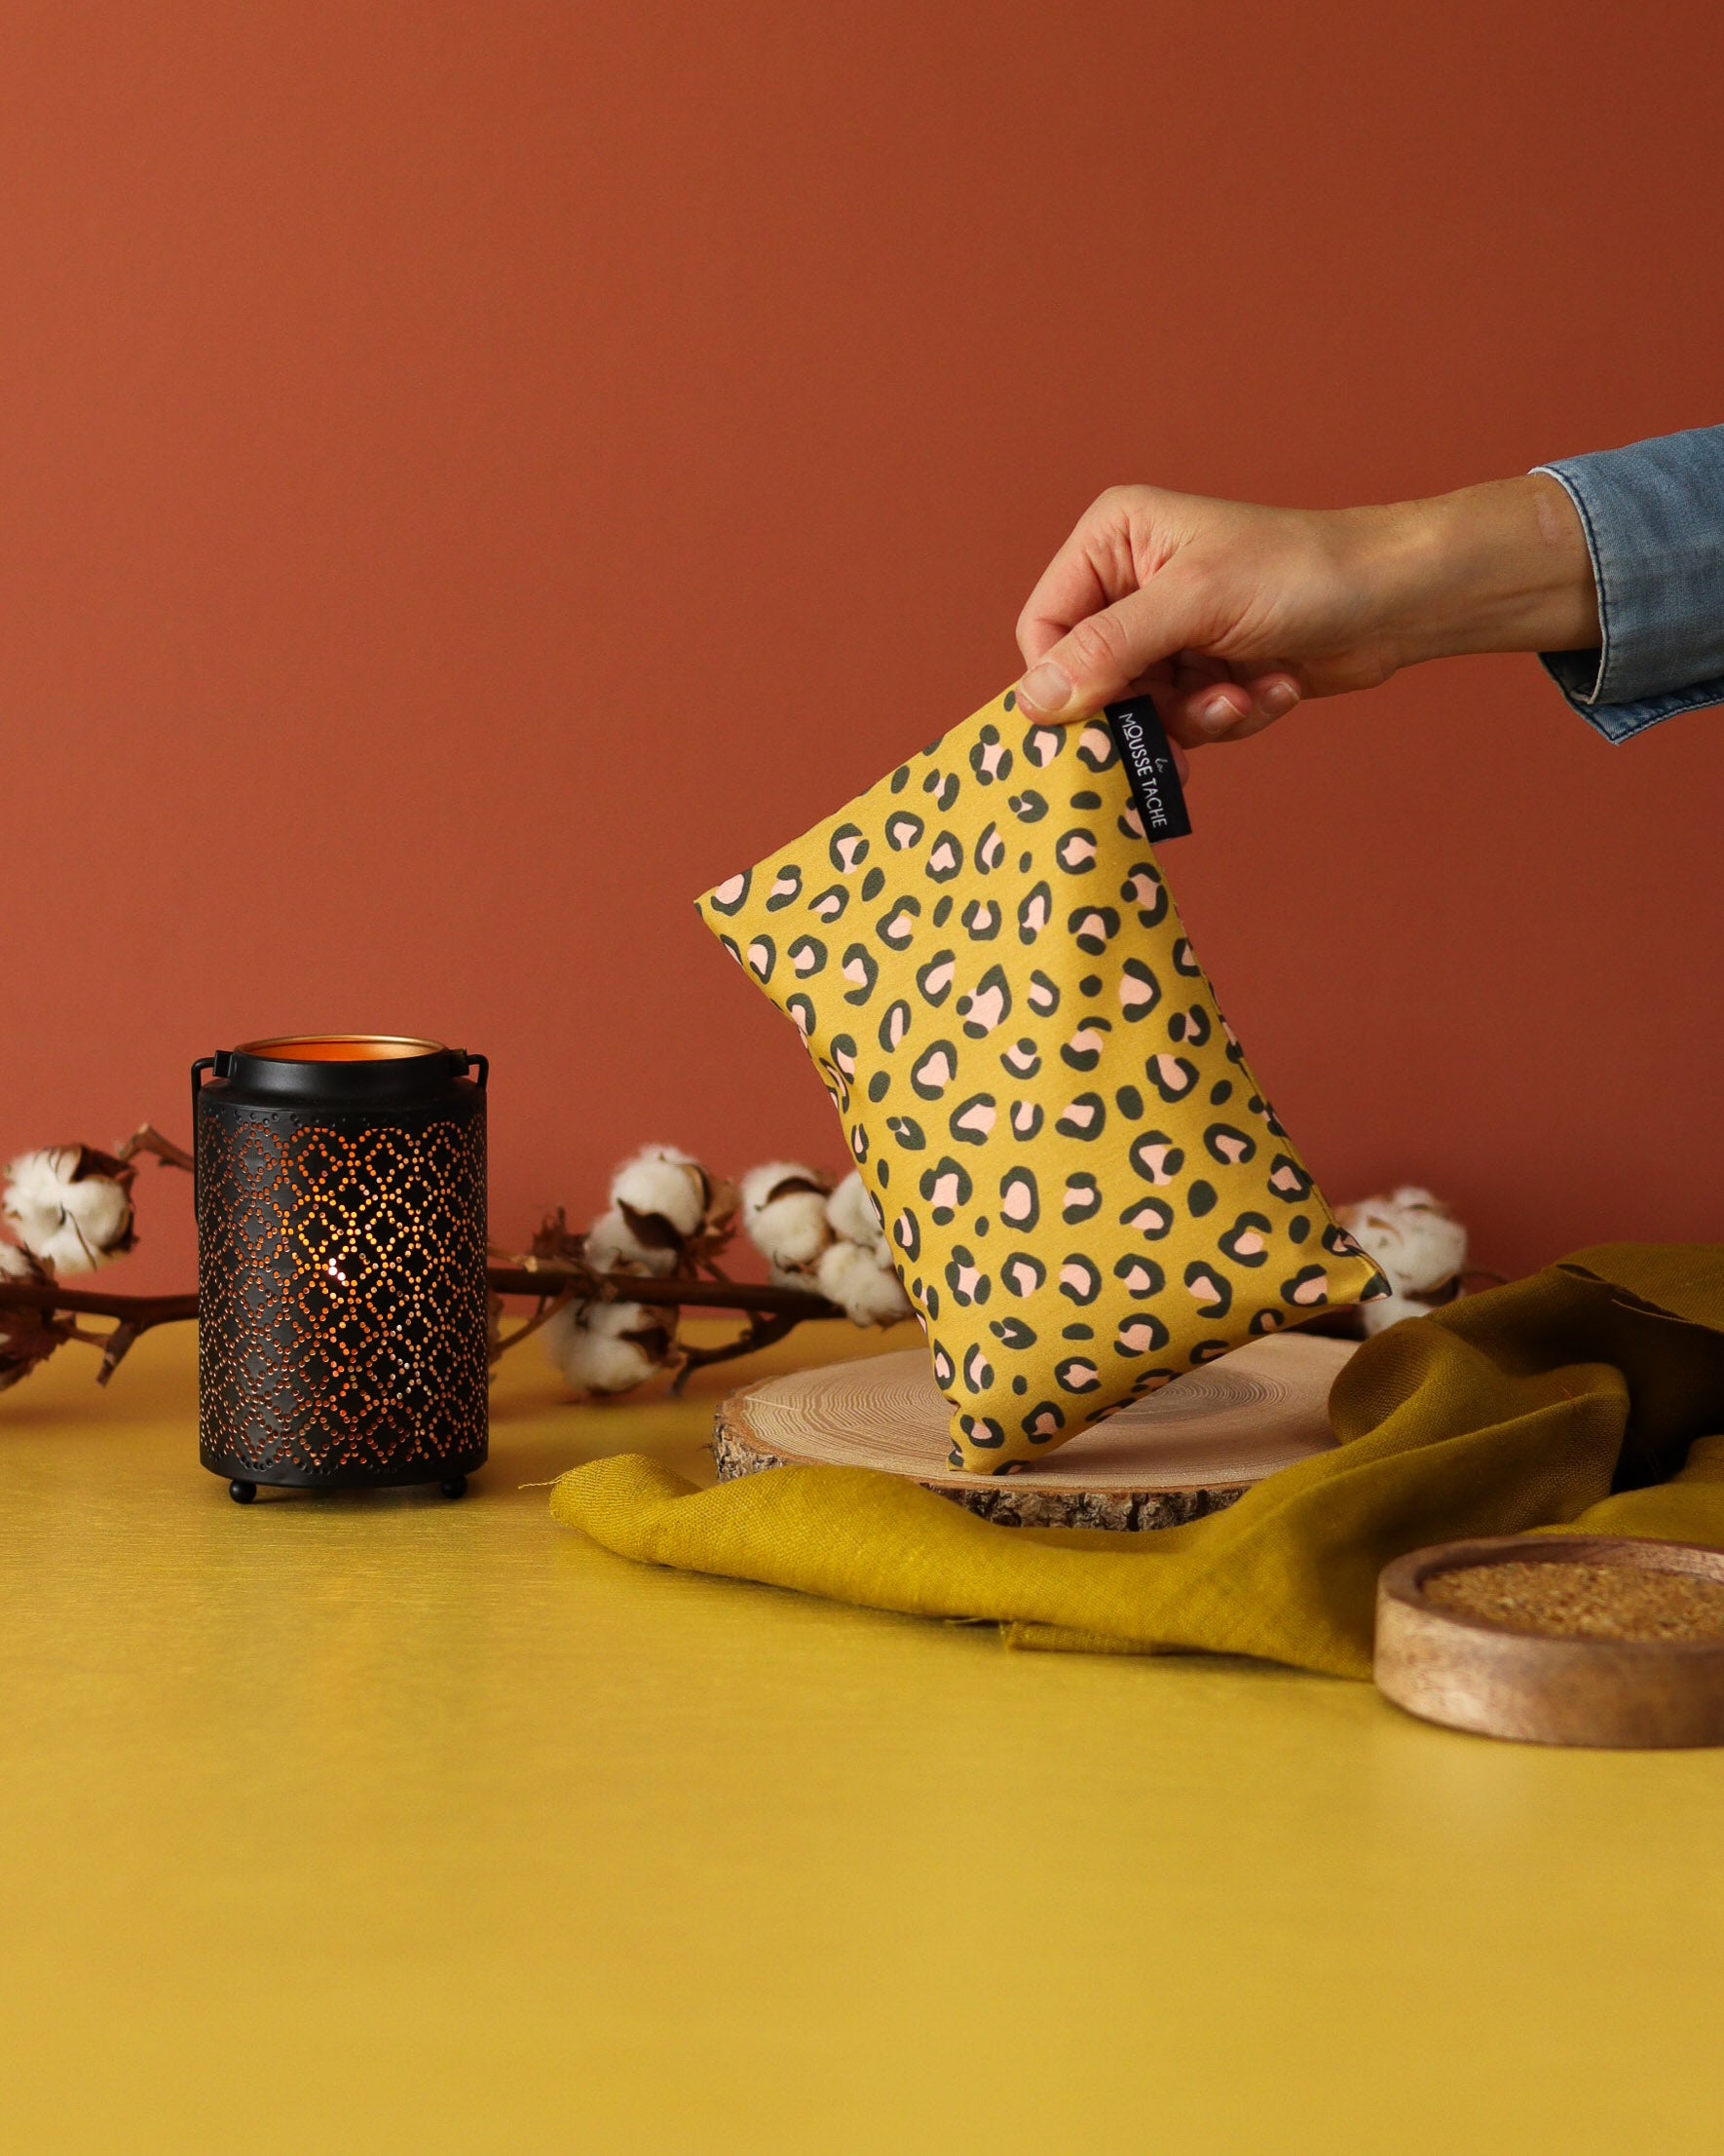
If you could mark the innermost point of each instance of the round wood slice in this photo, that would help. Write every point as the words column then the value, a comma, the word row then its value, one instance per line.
column 1447, row 1666
column 1190, row 1448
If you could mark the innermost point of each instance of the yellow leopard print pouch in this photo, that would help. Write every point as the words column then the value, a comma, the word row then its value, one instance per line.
column 1085, row 1190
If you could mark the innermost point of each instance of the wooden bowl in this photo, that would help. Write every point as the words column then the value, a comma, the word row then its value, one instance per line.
column 1448, row 1664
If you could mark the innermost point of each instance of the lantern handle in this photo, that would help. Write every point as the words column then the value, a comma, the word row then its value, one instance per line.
column 480, row 1063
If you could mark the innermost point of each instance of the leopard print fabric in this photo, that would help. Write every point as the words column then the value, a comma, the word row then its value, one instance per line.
column 1085, row 1190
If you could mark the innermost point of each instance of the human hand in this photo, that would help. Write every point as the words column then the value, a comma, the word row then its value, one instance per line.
column 1229, row 615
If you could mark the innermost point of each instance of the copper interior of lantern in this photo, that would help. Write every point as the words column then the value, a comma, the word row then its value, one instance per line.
column 341, row 1048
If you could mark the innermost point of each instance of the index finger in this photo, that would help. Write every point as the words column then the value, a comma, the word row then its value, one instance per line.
column 1091, row 570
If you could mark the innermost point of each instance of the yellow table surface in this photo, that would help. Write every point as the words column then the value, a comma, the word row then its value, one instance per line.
column 379, row 1822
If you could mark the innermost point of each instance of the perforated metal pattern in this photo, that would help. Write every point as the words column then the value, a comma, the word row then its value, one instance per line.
column 341, row 1295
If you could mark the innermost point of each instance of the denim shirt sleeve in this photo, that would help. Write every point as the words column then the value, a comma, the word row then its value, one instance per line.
column 1654, row 520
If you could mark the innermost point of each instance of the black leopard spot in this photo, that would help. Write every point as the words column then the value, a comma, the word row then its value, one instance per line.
column 945, row 858
column 860, row 971
column 897, row 929
column 1093, row 928
column 1085, row 1117
column 808, row 957
column 945, row 1369
column 987, row 1005
column 1043, row 1421
column 1185, row 960
column 1129, row 1102
column 1013, row 1333
column 894, row 1026
column 1266, row 1321
column 990, row 851
column 1141, row 1334
column 1138, row 990
column 1149, row 1217
column 830, row 904
column 1200, row 1198
column 982, row 918
column 1230, row 1146
column 971, row 1123
column 1021, row 1059
column 1020, row 1198
column 1172, row 1076
column 1022, row 1273
column 1026, row 1119
column 1082, row 1201
column 907, row 1234
column 946, row 1186
column 1207, row 1289
column 936, row 979
column 1142, row 1277
column 908, row 1132
column 1287, row 1180
column 1042, row 997
column 1156, row 1158
column 846, row 849
column 731, row 895
column 879, row 1087
column 786, row 886
column 1079, row 1280
column 968, row 1283
column 1077, row 1374
column 904, row 831
column 933, row 1071
column 1083, row 1051
column 1307, row 1290
column 1075, row 851
column 1246, row 1242
column 1096, row 747
column 1028, row 806
column 1036, row 909
column 1043, row 743
column 984, row 1432
column 801, row 1011
column 763, row 955
column 990, row 759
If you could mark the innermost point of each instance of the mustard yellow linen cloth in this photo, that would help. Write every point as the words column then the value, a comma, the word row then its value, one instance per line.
column 1588, row 1396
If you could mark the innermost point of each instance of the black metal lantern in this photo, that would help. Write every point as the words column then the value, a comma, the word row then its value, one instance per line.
column 341, row 1262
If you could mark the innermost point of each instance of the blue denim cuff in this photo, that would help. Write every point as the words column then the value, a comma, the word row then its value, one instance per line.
column 1653, row 516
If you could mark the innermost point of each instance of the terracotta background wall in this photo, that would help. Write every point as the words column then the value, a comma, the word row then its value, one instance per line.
column 472, row 475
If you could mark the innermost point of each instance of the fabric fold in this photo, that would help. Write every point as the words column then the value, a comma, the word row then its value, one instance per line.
column 1574, row 1398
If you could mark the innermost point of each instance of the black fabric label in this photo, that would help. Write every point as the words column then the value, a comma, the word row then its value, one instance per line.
column 1150, row 766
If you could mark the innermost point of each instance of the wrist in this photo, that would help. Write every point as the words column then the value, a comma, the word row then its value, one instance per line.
column 1495, row 568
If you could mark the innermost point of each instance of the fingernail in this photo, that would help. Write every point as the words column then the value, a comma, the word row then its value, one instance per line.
column 1216, row 715
column 1278, row 696
column 1046, row 689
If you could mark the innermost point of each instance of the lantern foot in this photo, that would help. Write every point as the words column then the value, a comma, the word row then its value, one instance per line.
column 242, row 1492
column 455, row 1487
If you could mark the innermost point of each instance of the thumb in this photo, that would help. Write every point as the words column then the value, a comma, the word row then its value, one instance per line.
column 1097, row 660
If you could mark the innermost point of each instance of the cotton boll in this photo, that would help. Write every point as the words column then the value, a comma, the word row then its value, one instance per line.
column 850, row 1214
column 603, row 1348
column 867, row 1292
column 613, row 1246
column 784, row 1213
column 1412, row 1235
column 661, row 1185
column 1420, row 1245
column 67, row 1211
